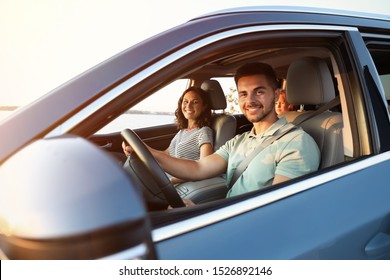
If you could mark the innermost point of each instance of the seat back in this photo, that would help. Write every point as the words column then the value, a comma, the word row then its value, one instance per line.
column 223, row 125
column 309, row 82
column 385, row 79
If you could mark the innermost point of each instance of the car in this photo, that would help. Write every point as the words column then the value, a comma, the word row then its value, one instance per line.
column 68, row 192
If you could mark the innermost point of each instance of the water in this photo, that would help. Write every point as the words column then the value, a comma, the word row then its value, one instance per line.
column 134, row 121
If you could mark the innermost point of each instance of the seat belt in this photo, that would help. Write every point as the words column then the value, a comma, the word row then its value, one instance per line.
column 244, row 164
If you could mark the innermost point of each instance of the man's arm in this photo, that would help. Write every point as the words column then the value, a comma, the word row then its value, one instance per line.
column 190, row 170
column 279, row 179
column 205, row 150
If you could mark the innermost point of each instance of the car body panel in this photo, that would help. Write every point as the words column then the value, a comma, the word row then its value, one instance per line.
column 328, row 221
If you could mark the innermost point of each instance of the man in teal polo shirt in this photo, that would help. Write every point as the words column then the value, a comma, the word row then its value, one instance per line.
column 293, row 155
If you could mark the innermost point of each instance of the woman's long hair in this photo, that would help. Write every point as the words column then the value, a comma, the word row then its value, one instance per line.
column 204, row 118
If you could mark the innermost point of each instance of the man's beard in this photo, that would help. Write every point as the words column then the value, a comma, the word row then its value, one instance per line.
column 258, row 118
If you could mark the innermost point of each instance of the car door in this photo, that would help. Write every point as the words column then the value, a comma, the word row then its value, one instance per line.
column 342, row 212
column 337, row 218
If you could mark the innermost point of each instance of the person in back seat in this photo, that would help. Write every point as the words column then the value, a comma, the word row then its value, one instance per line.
column 293, row 155
column 281, row 105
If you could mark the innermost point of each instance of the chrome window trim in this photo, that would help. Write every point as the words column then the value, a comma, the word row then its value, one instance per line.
column 136, row 252
column 182, row 227
column 375, row 35
column 301, row 9
column 126, row 85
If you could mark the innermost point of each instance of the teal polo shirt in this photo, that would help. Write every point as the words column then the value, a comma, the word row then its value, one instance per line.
column 293, row 155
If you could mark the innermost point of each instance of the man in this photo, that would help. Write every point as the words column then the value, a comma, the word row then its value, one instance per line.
column 294, row 154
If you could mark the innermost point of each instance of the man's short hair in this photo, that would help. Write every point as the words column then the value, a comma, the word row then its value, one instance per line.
column 257, row 68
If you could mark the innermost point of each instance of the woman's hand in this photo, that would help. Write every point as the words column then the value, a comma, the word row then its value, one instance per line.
column 127, row 149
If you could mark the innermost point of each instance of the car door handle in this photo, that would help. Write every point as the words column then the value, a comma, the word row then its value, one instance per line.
column 378, row 245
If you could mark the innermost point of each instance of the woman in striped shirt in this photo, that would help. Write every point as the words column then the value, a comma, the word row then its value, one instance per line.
column 194, row 139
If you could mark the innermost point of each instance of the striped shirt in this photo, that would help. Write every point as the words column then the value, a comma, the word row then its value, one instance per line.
column 186, row 143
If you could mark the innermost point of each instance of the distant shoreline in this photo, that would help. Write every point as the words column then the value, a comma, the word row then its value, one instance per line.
column 148, row 112
column 8, row 108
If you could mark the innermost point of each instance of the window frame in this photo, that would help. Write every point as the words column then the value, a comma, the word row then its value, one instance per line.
column 250, row 201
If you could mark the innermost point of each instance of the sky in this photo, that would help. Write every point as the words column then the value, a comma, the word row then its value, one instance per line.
column 47, row 42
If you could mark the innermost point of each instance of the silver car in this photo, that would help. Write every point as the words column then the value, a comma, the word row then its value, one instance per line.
column 67, row 193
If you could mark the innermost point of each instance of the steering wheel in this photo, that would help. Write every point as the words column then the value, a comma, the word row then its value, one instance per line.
column 158, row 174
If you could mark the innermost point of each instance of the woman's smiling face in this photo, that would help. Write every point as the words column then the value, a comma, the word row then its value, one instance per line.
column 192, row 106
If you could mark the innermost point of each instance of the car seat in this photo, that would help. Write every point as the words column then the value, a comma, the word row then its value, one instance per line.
column 309, row 82
column 223, row 125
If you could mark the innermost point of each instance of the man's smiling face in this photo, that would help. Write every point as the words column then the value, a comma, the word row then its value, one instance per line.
column 256, row 97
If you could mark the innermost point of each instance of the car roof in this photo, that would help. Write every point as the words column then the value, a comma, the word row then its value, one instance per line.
column 299, row 9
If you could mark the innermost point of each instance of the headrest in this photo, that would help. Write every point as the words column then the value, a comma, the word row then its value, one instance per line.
column 309, row 82
column 216, row 94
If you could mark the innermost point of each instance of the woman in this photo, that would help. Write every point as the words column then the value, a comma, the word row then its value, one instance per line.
column 194, row 139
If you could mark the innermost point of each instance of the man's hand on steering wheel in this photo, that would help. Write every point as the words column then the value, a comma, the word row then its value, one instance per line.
column 127, row 149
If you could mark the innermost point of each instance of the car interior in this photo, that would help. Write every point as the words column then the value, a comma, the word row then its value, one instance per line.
column 312, row 79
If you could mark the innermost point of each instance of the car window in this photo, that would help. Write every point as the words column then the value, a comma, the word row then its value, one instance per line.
column 229, row 88
column 157, row 109
column 380, row 54
column 343, row 127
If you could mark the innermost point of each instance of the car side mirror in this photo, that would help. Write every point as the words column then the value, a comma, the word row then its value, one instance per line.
column 65, row 198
